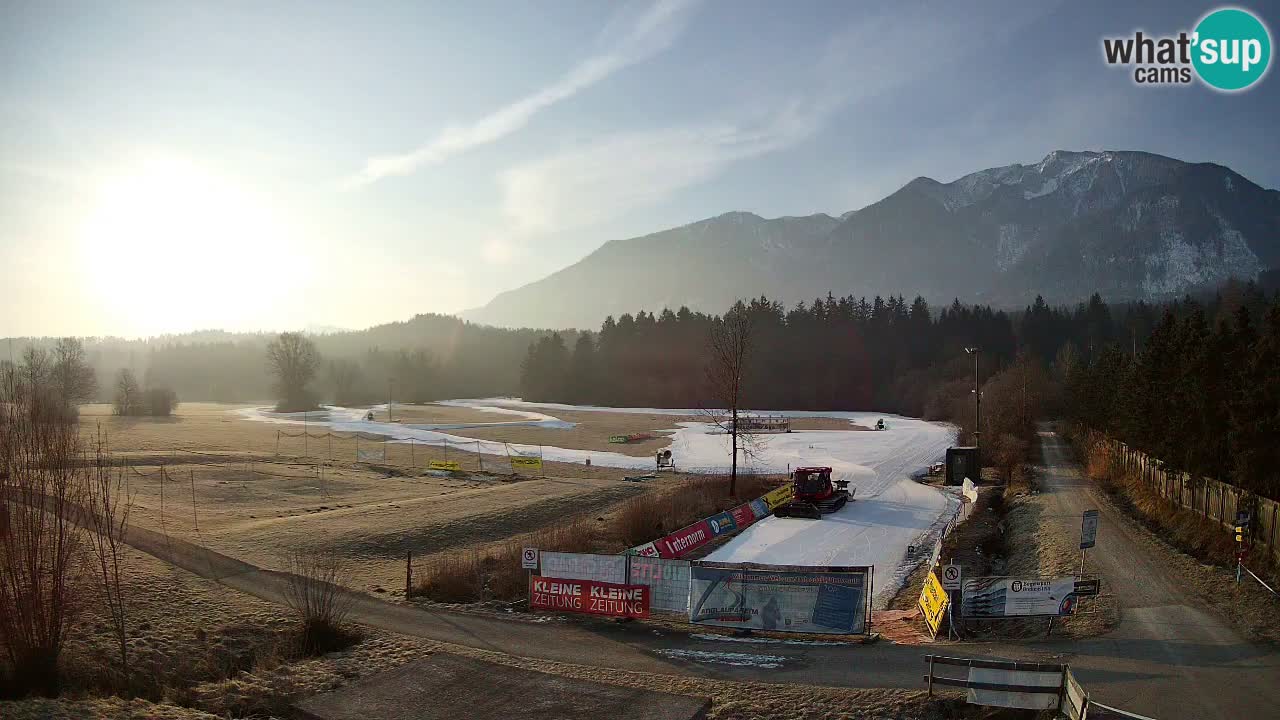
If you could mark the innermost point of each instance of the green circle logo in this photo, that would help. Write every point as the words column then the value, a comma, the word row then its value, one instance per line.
column 1232, row 49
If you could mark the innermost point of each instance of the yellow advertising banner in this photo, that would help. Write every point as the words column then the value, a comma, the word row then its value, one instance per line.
column 778, row 496
column 529, row 462
column 933, row 602
column 445, row 465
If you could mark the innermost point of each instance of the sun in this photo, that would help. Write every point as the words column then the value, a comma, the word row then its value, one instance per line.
column 168, row 246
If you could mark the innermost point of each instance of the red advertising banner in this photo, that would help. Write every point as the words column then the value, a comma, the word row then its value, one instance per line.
column 685, row 539
column 589, row 596
column 743, row 516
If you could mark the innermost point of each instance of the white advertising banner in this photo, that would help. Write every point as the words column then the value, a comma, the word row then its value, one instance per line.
column 1003, row 698
column 996, row 597
column 785, row 598
column 583, row 566
column 667, row 580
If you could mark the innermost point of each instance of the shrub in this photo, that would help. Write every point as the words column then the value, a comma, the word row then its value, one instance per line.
column 314, row 590
column 161, row 401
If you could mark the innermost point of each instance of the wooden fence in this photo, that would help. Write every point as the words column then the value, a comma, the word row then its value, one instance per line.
column 1214, row 500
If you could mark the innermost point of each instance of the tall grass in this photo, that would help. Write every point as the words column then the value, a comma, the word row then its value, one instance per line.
column 653, row 515
column 495, row 573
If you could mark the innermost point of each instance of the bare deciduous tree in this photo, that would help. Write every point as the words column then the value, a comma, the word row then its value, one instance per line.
column 294, row 360
column 71, row 378
column 41, row 495
column 729, row 350
column 127, row 401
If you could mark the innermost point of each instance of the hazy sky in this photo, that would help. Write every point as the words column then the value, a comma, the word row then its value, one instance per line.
column 167, row 166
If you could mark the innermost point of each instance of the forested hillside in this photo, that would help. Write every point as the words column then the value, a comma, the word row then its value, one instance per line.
column 1201, row 393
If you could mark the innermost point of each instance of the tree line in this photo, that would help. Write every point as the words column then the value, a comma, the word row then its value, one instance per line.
column 1194, row 382
column 1201, row 392
column 428, row 357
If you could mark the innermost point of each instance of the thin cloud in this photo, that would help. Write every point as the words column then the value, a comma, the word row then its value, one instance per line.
column 625, row 171
column 653, row 32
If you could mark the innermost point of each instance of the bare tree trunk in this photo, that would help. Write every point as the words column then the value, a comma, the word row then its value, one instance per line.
column 730, row 349
column 733, row 442
column 109, row 504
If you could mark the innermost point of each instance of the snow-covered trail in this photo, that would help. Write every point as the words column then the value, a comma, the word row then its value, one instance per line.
column 889, row 513
column 348, row 420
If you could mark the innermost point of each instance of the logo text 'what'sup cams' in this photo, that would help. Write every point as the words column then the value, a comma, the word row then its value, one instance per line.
column 1229, row 50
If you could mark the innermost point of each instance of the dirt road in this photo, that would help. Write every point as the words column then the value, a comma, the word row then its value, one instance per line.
column 1170, row 657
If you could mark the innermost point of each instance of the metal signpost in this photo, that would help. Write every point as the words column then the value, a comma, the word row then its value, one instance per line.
column 951, row 577
column 529, row 561
column 1088, row 534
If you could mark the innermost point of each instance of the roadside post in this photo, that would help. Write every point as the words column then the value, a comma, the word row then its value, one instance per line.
column 1242, row 534
column 1088, row 534
column 529, row 561
column 951, row 582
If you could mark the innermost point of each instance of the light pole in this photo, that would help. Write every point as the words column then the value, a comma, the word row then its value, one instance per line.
column 977, row 398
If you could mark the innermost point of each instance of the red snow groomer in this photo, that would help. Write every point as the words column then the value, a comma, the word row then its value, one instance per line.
column 815, row 494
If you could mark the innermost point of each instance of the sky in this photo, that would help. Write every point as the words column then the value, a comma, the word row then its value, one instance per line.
column 175, row 166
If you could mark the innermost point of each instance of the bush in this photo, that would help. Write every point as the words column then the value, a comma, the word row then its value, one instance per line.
column 161, row 401
column 315, row 591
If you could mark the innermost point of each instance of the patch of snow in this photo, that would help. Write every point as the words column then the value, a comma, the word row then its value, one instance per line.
column 725, row 658
column 762, row 640
column 1049, row 186
column 1230, row 185
column 1181, row 265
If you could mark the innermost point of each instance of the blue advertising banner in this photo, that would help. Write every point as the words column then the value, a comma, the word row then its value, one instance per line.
column 722, row 523
column 785, row 598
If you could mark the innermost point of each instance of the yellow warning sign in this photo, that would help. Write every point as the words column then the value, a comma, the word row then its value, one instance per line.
column 778, row 496
column 933, row 602
column 445, row 465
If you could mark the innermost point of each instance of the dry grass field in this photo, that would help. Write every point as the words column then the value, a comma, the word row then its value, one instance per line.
column 212, row 477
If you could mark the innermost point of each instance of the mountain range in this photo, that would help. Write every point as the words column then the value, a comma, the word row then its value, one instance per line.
column 1129, row 225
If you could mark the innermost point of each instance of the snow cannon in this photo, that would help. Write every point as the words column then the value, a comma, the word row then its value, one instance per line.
column 814, row 494
column 880, row 424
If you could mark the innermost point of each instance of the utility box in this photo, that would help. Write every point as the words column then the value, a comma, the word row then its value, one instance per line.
column 963, row 462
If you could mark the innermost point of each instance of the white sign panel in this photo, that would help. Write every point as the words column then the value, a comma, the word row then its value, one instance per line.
column 1002, row 698
column 996, row 597
column 529, row 558
column 951, row 577
column 969, row 491
column 582, row 566
column 783, row 598
column 1089, row 529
